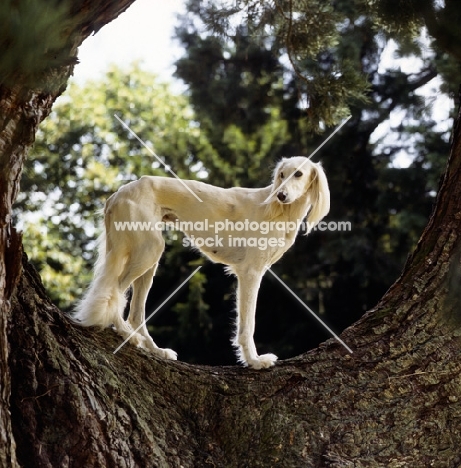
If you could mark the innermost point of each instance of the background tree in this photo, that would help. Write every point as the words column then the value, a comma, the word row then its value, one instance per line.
column 83, row 154
column 245, row 76
column 249, row 110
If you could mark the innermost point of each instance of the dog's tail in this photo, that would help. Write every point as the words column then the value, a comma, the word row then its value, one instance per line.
column 320, row 196
column 103, row 302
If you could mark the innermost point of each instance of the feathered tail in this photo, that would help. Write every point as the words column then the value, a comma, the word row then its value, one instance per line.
column 103, row 302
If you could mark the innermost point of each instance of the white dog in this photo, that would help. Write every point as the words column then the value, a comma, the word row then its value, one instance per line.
column 246, row 229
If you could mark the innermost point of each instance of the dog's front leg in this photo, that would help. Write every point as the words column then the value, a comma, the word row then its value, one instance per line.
column 247, row 294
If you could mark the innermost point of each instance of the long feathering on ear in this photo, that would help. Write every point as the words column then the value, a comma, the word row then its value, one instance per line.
column 320, row 196
column 270, row 199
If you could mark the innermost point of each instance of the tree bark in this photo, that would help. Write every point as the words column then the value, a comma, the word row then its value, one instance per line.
column 393, row 402
column 26, row 97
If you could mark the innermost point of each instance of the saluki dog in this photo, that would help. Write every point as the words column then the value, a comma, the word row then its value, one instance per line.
column 246, row 229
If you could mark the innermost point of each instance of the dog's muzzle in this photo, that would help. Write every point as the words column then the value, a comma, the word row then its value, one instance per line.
column 282, row 196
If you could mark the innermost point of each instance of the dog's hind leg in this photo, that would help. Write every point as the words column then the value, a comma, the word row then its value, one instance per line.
column 247, row 293
column 104, row 301
column 136, row 318
column 139, row 269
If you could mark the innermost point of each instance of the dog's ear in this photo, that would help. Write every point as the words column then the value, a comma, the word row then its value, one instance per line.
column 277, row 168
column 319, row 195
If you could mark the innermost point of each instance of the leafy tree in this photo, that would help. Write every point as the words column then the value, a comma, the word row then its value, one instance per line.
column 247, row 113
column 82, row 154
column 244, row 77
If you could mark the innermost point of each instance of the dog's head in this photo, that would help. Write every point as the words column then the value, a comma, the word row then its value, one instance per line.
column 298, row 178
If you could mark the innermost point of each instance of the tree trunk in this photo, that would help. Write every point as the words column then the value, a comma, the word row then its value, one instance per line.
column 393, row 402
column 26, row 97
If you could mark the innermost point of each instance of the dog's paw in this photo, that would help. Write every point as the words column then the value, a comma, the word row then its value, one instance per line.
column 166, row 353
column 263, row 362
column 138, row 340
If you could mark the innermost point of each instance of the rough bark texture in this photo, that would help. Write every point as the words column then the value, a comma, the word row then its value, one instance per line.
column 25, row 100
column 394, row 402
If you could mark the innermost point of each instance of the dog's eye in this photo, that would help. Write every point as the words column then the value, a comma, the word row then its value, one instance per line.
column 298, row 174
column 281, row 175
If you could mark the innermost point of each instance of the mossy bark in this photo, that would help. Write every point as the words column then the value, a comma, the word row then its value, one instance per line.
column 393, row 402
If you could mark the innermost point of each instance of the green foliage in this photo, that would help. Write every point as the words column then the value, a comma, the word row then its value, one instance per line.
column 57, row 260
column 265, row 83
column 404, row 19
column 307, row 32
column 399, row 17
column 83, row 154
column 243, row 78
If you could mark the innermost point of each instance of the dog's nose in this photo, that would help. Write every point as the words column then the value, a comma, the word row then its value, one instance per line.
column 282, row 196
